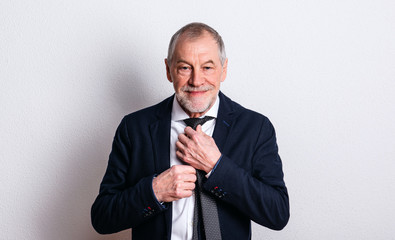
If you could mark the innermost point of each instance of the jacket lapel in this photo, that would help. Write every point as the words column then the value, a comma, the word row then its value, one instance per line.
column 160, row 138
column 224, row 121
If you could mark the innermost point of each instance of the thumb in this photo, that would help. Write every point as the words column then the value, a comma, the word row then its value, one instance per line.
column 199, row 128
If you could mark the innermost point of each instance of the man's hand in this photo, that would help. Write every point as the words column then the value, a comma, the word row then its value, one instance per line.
column 197, row 149
column 175, row 183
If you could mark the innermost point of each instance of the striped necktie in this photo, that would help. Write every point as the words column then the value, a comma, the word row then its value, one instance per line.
column 205, row 215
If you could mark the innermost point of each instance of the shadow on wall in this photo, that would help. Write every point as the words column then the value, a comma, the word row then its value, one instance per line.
column 84, row 160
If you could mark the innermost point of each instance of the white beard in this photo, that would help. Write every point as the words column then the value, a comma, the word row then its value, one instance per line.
column 195, row 105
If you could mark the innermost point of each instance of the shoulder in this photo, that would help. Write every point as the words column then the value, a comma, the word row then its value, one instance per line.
column 239, row 112
column 150, row 114
column 246, row 122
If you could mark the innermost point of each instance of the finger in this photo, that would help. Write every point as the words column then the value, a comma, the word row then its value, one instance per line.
column 183, row 138
column 183, row 189
column 184, row 194
column 199, row 129
column 189, row 131
column 184, row 169
column 180, row 155
column 179, row 151
column 190, row 178
column 180, row 145
column 187, row 159
column 189, row 186
column 182, row 186
column 185, row 143
column 178, row 195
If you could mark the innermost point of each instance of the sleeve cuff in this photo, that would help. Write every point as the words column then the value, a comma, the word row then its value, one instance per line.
column 215, row 166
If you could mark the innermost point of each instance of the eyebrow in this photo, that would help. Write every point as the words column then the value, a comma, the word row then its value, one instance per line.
column 184, row 61
column 209, row 61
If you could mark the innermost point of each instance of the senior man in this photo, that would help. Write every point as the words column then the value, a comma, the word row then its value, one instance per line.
column 197, row 165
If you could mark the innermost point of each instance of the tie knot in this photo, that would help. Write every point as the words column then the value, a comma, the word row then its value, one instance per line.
column 194, row 122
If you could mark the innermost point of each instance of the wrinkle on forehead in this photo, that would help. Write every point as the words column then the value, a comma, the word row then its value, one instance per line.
column 203, row 48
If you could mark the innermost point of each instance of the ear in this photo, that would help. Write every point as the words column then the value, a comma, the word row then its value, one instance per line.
column 168, row 70
column 224, row 70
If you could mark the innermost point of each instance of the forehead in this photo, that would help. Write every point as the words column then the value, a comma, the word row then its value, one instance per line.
column 202, row 45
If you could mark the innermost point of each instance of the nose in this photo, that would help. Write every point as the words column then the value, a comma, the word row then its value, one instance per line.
column 196, row 79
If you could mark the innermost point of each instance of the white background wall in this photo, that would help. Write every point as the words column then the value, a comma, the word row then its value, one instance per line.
column 322, row 71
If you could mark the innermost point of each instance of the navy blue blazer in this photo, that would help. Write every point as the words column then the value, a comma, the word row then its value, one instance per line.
column 247, row 183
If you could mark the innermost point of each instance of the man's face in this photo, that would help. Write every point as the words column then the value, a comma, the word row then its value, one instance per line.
column 196, row 73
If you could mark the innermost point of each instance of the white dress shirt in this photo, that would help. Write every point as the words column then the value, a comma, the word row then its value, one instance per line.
column 182, row 210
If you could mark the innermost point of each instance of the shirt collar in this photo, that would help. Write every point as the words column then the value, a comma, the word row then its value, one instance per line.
column 178, row 113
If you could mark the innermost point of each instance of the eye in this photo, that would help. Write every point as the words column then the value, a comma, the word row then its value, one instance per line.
column 184, row 69
column 208, row 69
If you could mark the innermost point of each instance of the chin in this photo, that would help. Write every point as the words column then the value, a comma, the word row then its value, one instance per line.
column 195, row 105
column 196, row 108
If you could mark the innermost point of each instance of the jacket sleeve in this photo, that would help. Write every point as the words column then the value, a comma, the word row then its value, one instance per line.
column 257, row 190
column 119, row 205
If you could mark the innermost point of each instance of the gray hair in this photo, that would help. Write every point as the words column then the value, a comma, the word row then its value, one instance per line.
column 193, row 31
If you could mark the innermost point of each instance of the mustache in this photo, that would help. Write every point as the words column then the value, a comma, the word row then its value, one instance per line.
column 196, row 89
